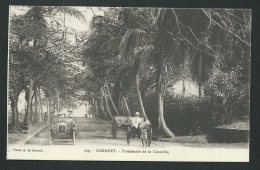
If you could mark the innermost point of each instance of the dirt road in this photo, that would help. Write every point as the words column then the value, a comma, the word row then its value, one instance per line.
column 95, row 136
column 89, row 131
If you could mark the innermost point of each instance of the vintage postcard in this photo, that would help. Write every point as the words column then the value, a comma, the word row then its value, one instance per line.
column 128, row 84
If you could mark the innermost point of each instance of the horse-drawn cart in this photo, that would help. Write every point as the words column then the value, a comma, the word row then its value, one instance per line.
column 124, row 123
column 120, row 122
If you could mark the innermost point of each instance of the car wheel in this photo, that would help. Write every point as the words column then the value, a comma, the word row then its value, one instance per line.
column 114, row 131
column 74, row 137
column 50, row 138
column 128, row 136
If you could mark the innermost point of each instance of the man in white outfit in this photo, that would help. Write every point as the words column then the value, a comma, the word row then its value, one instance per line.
column 135, row 125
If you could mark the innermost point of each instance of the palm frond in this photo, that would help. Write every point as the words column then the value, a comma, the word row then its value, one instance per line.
column 73, row 12
column 132, row 39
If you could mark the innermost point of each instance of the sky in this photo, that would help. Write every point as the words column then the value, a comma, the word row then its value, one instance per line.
column 79, row 112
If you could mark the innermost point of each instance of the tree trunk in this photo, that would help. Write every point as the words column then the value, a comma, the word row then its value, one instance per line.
column 160, row 91
column 102, row 106
column 48, row 110
column 110, row 97
column 162, row 124
column 87, row 109
column 58, row 100
column 119, row 104
column 101, row 113
column 36, row 106
column 17, row 115
column 40, row 106
column 183, row 88
column 103, row 102
column 31, row 108
column 28, row 113
column 50, row 105
column 199, row 78
column 96, row 108
column 126, row 105
column 139, row 96
column 199, row 84
column 53, row 105
column 14, row 106
column 14, row 111
column 107, row 107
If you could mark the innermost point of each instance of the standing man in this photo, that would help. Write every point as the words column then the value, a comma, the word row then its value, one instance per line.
column 145, row 126
column 70, row 115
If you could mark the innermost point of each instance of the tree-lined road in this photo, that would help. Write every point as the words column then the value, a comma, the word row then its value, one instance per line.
column 89, row 131
column 128, row 60
column 96, row 134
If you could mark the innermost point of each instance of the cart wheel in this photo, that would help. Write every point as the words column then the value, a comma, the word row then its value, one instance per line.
column 150, row 137
column 128, row 135
column 114, row 131
column 50, row 138
column 74, row 137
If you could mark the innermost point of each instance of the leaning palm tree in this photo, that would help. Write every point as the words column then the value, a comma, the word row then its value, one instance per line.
column 134, row 42
column 121, row 39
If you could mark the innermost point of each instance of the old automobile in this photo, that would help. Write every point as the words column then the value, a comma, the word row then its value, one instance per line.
column 63, row 128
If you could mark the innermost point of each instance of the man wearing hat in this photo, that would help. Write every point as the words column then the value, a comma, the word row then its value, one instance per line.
column 145, row 126
column 71, row 117
column 135, row 124
column 70, row 113
column 59, row 117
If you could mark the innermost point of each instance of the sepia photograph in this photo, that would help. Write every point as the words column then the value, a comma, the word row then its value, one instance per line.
column 128, row 84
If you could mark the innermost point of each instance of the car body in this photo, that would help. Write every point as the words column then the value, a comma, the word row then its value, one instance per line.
column 63, row 128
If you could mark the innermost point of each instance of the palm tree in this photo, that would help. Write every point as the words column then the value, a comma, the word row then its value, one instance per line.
column 174, row 36
column 134, row 44
column 117, row 39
